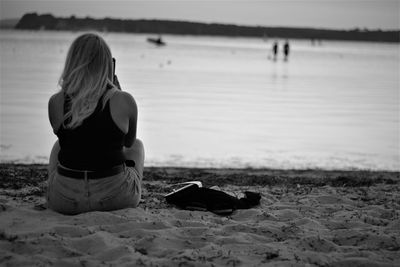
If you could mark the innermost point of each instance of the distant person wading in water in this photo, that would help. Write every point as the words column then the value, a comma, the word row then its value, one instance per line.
column 97, row 162
column 275, row 50
column 286, row 50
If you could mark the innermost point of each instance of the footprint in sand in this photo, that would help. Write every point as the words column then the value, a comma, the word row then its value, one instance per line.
column 318, row 244
column 71, row 231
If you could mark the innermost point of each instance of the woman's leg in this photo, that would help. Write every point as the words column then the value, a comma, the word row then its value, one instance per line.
column 53, row 161
column 136, row 153
column 52, row 169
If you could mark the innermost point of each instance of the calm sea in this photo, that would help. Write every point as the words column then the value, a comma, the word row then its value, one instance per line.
column 222, row 102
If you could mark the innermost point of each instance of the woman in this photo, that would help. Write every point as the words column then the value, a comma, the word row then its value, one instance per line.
column 97, row 162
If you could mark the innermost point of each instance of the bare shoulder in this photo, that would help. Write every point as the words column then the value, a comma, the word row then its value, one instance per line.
column 124, row 101
column 56, row 98
column 124, row 97
column 55, row 102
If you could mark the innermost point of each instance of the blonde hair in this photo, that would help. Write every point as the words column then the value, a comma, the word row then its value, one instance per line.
column 87, row 72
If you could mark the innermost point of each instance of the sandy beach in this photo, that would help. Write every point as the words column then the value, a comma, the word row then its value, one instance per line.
column 306, row 218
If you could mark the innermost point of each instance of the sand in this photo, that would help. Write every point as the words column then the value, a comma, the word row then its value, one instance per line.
column 306, row 218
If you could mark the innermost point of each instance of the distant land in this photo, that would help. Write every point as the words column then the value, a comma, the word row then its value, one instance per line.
column 33, row 21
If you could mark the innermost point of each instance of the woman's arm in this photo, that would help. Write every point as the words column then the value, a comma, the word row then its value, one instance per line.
column 132, row 111
column 55, row 111
column 124, row 112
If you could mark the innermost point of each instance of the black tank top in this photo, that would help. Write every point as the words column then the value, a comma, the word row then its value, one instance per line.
column 94, row 145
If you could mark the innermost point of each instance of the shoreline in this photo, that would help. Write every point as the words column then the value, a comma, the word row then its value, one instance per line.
column 221, row 176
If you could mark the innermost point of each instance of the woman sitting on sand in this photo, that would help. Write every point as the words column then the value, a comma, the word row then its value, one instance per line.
column 97, row 162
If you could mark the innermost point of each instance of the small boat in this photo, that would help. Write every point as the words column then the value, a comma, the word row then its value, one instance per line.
column 157, row 41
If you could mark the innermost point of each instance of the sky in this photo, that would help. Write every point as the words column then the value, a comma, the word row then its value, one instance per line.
column 332, row 14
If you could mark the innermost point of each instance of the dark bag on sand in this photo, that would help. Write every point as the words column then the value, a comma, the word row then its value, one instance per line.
column 194, row 197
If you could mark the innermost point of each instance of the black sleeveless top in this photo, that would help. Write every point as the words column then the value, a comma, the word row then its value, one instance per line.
column 96, row 144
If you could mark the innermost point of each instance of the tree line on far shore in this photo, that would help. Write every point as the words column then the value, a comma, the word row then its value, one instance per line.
column 33, row 21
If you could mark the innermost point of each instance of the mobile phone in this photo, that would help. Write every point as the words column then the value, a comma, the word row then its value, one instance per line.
column 113, row 61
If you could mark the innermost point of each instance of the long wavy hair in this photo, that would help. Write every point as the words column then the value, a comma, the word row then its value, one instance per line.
column 87, row 73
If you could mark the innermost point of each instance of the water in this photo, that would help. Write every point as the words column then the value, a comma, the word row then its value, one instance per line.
column 220, row 102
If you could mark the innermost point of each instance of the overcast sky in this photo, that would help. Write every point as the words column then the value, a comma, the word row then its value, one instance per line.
column 336, row 14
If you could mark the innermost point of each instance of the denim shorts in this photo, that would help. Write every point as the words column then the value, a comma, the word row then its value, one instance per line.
column 72, row 196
